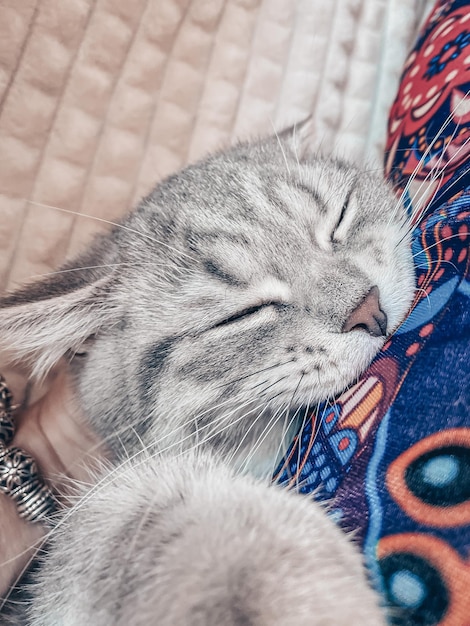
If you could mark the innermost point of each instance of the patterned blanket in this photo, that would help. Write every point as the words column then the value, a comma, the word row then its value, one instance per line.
column 394, row 450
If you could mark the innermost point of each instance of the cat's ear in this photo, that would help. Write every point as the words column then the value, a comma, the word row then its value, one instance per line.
column 43, row 321
column 299, row 137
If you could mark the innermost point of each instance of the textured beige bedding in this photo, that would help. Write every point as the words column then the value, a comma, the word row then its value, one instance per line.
column 101, row 98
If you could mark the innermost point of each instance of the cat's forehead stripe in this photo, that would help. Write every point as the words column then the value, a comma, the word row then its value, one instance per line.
column 226, row 277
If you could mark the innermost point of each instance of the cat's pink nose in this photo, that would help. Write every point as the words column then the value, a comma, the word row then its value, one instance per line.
column 368, row 316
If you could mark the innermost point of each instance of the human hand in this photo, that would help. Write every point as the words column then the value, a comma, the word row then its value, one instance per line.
column 54, row 432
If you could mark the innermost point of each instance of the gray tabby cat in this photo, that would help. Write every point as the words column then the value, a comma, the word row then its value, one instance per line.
column 255, row 282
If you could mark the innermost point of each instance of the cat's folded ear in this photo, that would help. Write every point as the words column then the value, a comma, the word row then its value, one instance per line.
column 43, row 321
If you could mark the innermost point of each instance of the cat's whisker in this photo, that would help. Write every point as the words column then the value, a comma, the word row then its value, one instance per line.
column 86, row 267
column 233, row 453
column 437, row 135
column 246, row 404
column 172, row 277
column 217, row 433
column 327, row 404
column 426, row 294
column 289, row 406
column 284, row 156
column 411, row 220
column 133, row 461
column 111, row 223
column 15, row 582
column 422, row 204
column 293, row 481
column 283, row 447
column 214, row 421
column 416, row 216
column 294, row 142
column 232, row 456
column 196, row 431
column 273, row 422
column 455, row 180
column 144, row 448
column 169, row 434
column 296, row 389
column 268, row 428
column 301, row 431
column 299, row 436
column 261, row 383
column 273, row 397
column 431, row 262
column 423, row 158
column 264, row 389
column 436, row 243
column 260, row 371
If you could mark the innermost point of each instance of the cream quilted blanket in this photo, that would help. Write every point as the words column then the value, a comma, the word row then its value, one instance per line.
column 101, row 98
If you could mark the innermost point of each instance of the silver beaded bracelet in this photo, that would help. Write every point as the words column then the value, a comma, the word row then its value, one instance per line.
column 19, row 474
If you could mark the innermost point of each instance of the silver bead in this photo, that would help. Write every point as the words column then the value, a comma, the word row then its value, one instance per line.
column 7, row 424
column 7, row 427
column 20, row 480
column 5, row 395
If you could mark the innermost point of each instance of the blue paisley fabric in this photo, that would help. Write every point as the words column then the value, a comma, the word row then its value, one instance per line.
column 394, row 450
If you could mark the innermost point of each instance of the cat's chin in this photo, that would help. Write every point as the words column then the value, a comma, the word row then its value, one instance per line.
column 261, row 453
column 259, row 457
column 348, row 358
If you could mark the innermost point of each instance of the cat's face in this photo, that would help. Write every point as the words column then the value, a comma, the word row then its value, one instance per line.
column 228, row 296
column 241, row 312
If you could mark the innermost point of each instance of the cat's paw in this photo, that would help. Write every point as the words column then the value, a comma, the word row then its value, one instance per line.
column 187, row 543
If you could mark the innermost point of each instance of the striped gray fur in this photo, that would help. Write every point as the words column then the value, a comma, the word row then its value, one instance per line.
column 213, row 312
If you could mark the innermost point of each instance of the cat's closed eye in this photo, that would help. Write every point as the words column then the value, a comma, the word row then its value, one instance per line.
column 335, row 237
column 248, row 312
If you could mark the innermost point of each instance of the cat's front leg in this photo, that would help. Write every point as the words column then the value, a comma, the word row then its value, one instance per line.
column 184, row 542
